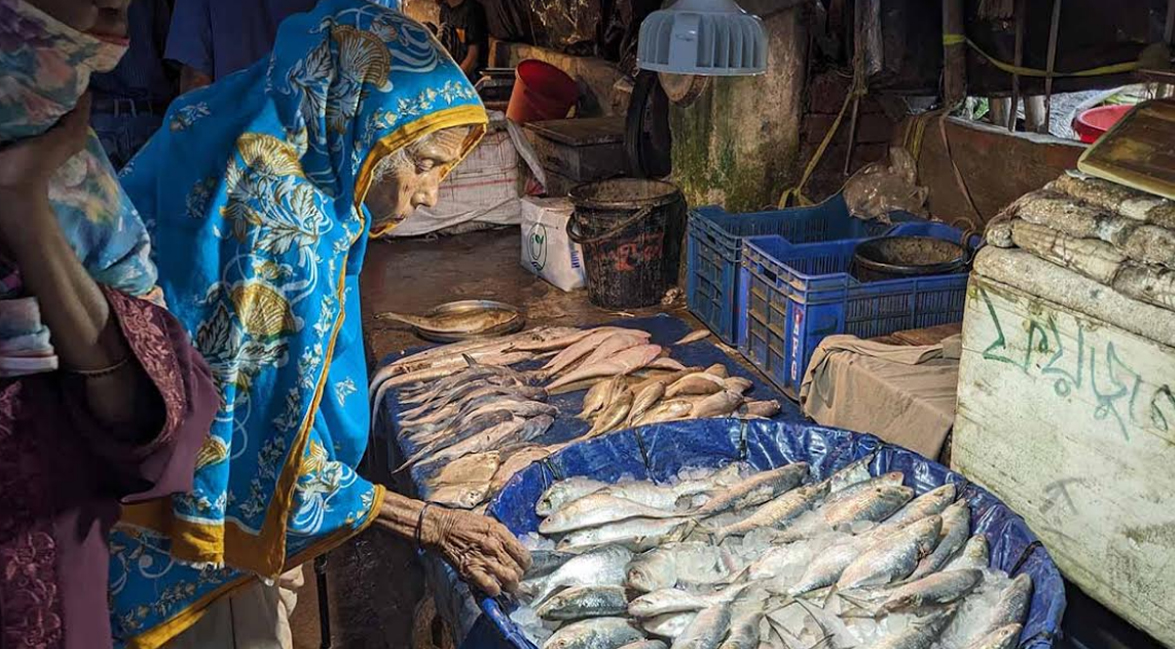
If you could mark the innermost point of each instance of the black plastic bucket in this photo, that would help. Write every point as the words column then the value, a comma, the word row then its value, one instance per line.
column 631, row 231
column 902, row 257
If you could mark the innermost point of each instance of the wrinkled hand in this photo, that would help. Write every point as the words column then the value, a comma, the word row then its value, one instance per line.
column 27, row 165
column 482, row 551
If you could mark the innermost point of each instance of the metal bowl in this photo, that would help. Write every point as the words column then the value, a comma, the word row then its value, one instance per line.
column 471, row 306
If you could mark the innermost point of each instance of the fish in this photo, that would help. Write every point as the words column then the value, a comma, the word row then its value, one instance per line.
column 596, row 633
column 932, row 502
column 597, row 397
column 615, row 414
column 765, row 409
column 1004, row 637
column 584, row 602
column 738, row 384
column 756, row 490
column 617, row 342
column 479, row 467
column 666, row 411
column 1013, row 604
column 687, row 563
column 518, row 431
column 645, row 399
column 707, row 629
column 646, row 644
column 475, row 425
column 557, row 338
column 622, row 363
column 920, row 634
column 956, row 528
column 693, row 337
column 872, row 505
column 597, row 509
column 719, row 370
column 535, row 427
column 453, row 367
column 668, row 626
column 462, row 496
column 515, row 463
column 560, row 494
column 578, row 350
column 636, row 534
column 458, row 393
column 544, row 562
column 719, row 404
column 936, row 590
column 487, row 355
column 826, row 568
column 744, row 628
column 852, row 474
column 974, row 555
column 894, row 479
column 603, row 567
column 777, row 512
column 667, row 602
column 698, row 383
column 893, row 559
column 666, row 363
column 477, row 400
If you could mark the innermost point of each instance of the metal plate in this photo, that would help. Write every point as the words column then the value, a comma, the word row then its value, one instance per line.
column 472, row 306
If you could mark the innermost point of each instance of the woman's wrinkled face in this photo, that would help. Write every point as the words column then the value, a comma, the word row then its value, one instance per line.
column 411, row 178
column 102, row 18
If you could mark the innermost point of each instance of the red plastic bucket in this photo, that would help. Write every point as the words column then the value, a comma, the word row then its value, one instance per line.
column 541, row 91
column 1093, row 123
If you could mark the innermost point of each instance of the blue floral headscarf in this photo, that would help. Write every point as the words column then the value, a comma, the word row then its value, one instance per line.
column 253, row 192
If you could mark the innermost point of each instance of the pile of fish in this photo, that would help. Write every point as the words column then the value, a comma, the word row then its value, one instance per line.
column 737, row 560
column 471, row 420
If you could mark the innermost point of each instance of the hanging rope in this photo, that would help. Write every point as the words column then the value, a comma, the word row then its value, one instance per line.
column 1116, row 68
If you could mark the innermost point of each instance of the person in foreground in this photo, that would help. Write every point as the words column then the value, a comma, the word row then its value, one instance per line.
column 102, row 397
column 262, row 190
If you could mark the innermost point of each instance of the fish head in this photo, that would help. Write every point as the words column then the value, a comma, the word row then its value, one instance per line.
column 925, row 532
column 653, row 573
column 1004, row 637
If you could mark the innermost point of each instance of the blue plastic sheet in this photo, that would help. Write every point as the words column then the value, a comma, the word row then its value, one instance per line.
column 659, row 452
column 455, row 603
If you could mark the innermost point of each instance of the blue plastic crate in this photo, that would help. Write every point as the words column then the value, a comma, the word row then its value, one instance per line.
column 714, row 250
column 796, row 295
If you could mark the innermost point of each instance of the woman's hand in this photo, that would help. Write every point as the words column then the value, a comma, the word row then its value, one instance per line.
column 27, row 165
column 482, row 551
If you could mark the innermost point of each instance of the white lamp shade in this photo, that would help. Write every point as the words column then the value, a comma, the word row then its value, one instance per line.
column 703, row 37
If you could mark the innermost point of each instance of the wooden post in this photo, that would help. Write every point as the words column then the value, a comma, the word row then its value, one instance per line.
column 954, row 58
column 1054, row 36
column 1021, row 11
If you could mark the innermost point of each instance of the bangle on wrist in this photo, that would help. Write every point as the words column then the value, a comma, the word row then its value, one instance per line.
column 420, row 524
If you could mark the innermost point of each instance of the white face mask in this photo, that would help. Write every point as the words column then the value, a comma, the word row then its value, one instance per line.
column 47, row 67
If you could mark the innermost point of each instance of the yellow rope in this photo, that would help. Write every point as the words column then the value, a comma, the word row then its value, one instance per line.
column 1116, row 68
column 797, row 192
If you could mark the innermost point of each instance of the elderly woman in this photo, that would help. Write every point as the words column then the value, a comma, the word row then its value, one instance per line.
column 261, row 192
column 102, row 397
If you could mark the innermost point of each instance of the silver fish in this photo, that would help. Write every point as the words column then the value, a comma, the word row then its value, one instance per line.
column 975, row 555
column 894, row 558
column 564, row 492
column 935, row 590
column 920, row 634
column 744, row 629
column 1013, row 604
column 597, row 509
column 597, row 396
column 474, row 426
column 484, row 438
column 707, row 629
column 657, row 496
column 956, row 528
column 1004, row 637
column 693, row 337
column 668, row 626
column 932, row 502
column 583, row 602
column 756, row 489
column 506, row 439
column 850, row 475
column 892, row 479
column 872, row 505
column 622, row 363
column 544, row 562
column 826, row 568
column 597, row 633
column 719, row 404
column 669, row 601
column 685, row 563
column 603, row 567
column 645, row 400
column 535, row 427
column 776, row 513
column 699, row 383
column 646, row 644
column 636, row 534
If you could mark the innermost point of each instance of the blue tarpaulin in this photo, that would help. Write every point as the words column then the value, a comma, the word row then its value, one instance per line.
column 455, row 604
column 658, row 452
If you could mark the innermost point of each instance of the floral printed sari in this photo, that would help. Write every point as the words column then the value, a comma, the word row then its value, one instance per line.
column 253, row 192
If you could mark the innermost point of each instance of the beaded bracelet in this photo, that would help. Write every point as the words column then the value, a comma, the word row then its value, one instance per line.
column 105, row 371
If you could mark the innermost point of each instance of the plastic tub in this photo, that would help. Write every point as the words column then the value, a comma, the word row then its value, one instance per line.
column 1093, row 123
column 541, row 91
column 659, row 452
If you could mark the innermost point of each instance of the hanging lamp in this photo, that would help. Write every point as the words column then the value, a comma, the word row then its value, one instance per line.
column 703, row 37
